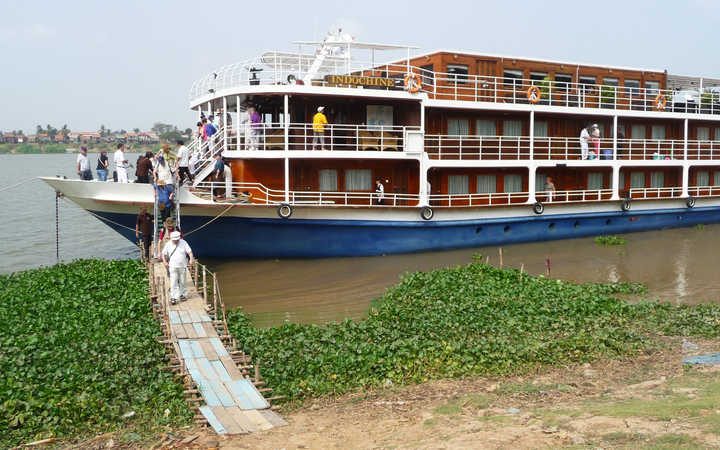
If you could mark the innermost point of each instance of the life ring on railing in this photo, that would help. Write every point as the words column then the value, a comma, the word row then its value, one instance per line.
column 660, row 102
column 533, row 94
column 285, row 211
column 413, row 83
column 538, row 208
column 690, row 202
column 625, row 204
column 426, row 213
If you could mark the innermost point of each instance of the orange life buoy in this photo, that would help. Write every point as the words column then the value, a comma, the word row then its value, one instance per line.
column 533, row 94
column 660, row 102
column 413, row 83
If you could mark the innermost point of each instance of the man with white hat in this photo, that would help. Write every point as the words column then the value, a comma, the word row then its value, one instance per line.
column 319, row 122
column 175, row 256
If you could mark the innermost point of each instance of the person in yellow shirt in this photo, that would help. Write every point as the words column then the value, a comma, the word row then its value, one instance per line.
column 319, row 122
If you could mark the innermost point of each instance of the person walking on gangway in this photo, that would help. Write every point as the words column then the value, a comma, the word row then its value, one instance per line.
column 176, row 256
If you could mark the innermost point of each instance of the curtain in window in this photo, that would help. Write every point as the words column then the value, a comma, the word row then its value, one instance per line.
column 657, row 179
column 541, row 129
column 540, row 180
column 512, row 128
column 703, row 178
column 621, row 181
column 717, row 134
column 716, row 178
column 328, row 180
column 458, row 126
column 458, row 184
column 485, row 128
column 637, row 132
column 486, row 184
column 637, row 180
column 595, row 180
column 658, row 132
column 358, row 180
column 512, row 183
column 703, row 133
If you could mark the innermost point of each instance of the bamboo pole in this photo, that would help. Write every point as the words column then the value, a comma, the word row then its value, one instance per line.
column 522, row 268
column 547, row 266
column 501, row 257
column 204, row 285
column 215, row 290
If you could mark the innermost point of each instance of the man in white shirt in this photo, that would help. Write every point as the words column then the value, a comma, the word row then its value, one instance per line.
column 175, row 256
column 584, row 143
column 379, row 191
column 83, row 165
column 183, row 162
column 121, row 164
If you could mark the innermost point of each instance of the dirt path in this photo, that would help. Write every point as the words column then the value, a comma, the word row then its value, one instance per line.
column 649, row 401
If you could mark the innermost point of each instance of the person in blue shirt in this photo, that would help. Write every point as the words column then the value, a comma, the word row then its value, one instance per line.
column 165, row 197
column 218, row 174
column 210, row 128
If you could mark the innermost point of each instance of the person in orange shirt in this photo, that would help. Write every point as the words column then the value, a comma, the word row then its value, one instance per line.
column 319, row 122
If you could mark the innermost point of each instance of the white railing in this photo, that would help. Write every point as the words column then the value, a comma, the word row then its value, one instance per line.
column 258, row 194
column 484, row 199
column 335, row 137
column 544, row 148
column 587, row 195
column 205, row 149
column 648, row 193
column 704, row 191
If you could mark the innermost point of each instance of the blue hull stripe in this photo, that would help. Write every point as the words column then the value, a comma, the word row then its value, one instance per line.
column 299, row 238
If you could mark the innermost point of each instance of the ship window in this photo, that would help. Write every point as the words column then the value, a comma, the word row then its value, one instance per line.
column 658, row 132
column 621, row 181
column 458, row 73
column 512, row 128
column 541, row 128
column 716, row 178
column 637, row 132
column 538, row 76
column 427, row 75
column 703, row 178
column 632, row 86
column 486, row 184
column 657, row 179
column 328, row 180
column 637, row 180
column 512, row 183
column 485, row 127
column 512, row 77
column 595, row 180
column 652, row 87
column 458, row 184
column 586, row 80
column 458, row 127
column 562, row 81
column 358, row 180
column 610, row 81
column 540, row 180
column 703, row 133
column 717, row 134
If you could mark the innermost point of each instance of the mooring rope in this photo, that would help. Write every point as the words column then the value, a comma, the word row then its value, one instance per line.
column 108, row 220
column 210, row 221
column 17, row 184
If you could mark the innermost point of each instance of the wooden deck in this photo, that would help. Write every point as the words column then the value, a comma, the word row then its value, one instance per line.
column 197, row 332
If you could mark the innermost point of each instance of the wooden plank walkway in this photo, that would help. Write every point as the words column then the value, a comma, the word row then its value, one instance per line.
column 233, row 404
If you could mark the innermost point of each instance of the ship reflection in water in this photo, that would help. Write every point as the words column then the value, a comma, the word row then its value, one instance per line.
column 678, row 265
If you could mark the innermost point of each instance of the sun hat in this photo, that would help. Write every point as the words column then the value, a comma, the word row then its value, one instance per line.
column 175, row 235
column 595, row 125
column 161, row 183
column 169, row 222
column 321, row 108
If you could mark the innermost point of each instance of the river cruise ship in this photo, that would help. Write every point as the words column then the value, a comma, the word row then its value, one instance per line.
column 471, row 149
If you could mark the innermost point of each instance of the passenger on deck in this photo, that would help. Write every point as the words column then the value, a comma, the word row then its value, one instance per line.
column 596, row 139
column 200, row 132
column 169, row 156
column 143, row 168
column 102, row 166
column 584, row 142
column 83, row 165
column 379, row 192
column 319, row 122
column 163, row 171
column 183, row 162
column 255, row 128
column 203, row 125
column 175, row 256
column 549, row 188
column 165, row 197
column 121, row 164
column 192, row 161
column 218, row 175
column 144, row 226
column 210, row 127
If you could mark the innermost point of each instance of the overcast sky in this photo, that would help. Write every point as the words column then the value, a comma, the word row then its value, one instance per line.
column 127, row 64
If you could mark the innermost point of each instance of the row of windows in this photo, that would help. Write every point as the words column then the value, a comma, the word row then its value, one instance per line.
column 355, row 180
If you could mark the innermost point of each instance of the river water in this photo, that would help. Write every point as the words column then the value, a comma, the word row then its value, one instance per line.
column 678, row 265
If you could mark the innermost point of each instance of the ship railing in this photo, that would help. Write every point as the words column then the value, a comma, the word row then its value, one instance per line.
column 445, row 147
column 205, row 149
column 259, row 194
column 655, row 192
column 571, row 196
column 478, row 199
column 704, row 191
column 335, row 137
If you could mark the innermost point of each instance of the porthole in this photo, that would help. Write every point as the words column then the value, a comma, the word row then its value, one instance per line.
column 576, row 224
column 551, row 227
column 608, row 222
column 507, row 228
column 478, row 230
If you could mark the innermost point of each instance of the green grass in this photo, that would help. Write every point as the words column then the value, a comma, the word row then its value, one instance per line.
column 78, row 351
column 470, row 320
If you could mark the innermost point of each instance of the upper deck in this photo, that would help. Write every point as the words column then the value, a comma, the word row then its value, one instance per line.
column 453, row 79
